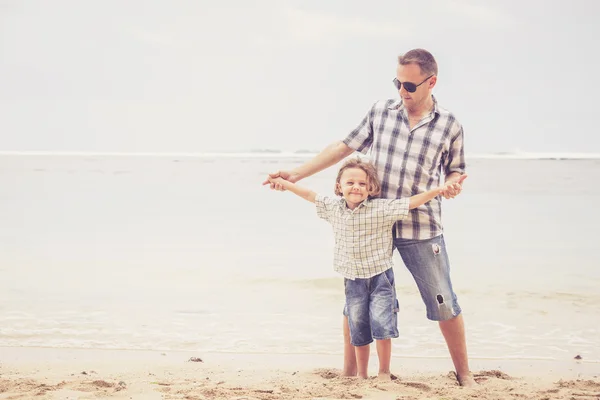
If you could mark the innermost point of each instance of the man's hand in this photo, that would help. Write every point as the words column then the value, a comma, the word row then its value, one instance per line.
column 453, row 187
column 285, row 175
column 276, row 181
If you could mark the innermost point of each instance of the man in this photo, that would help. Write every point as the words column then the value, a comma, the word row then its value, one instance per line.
column 413, row 141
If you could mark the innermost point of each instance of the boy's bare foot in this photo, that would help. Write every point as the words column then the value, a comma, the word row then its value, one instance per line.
column 466, row 380
column 348, row 374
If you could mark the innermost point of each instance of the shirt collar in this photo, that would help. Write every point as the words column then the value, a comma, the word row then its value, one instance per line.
column 398, row 105
column 344, row 206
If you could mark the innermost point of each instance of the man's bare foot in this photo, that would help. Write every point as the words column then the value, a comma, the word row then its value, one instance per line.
column 348, row 374
column 466, row 380
column 386, row 376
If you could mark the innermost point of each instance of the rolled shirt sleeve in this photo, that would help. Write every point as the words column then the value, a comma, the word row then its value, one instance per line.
column 455, row 161
column 361, row 138
column 396, row 209
column 325, row 206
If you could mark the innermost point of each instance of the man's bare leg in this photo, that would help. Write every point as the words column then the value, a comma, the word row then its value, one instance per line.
column 349, row 352
column 384, row 353
column 362, row 360
column 454, row 334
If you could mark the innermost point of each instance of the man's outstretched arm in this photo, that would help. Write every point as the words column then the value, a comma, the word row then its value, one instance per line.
column 330, row 155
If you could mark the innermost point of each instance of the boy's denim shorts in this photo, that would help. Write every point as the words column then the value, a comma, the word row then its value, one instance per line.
column 371, row 308
column 428, row 263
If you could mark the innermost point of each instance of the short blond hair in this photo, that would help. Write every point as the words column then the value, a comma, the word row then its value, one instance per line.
column 373, row 184
column 422, row 58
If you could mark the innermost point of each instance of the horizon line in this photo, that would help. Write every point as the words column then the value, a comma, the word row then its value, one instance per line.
column 285, row 154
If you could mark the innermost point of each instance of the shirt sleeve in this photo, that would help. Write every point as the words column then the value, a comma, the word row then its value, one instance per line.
column 361, row 138
column 325, row 206
column 455, row 161
column 395, row 209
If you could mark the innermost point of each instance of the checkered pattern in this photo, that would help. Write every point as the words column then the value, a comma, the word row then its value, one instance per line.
column 363, row 236
column 409, row 161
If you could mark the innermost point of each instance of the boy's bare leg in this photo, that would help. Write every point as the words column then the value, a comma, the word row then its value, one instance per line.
column 454, row 333
column 362, row 360
column 384, row 353
column 349, row 353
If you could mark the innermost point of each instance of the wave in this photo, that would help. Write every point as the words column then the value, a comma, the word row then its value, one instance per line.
column 271, row 154
column 537, row 156
column 287, row 154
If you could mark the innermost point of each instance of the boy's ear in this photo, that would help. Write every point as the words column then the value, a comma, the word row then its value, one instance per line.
column 374, row 190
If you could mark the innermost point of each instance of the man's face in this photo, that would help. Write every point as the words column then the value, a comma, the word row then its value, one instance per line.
column 412, row 73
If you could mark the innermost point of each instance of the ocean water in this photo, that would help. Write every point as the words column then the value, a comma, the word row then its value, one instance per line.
column 192, row 253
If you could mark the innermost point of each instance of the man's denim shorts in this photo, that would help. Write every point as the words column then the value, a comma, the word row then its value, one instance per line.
column 371, row 308
column 428, row 263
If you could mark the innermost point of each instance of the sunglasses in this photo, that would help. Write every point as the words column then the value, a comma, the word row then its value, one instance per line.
column 409, row 86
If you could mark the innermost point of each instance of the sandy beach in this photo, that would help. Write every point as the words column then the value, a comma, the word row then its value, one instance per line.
column 46, row 373
column 153, row 272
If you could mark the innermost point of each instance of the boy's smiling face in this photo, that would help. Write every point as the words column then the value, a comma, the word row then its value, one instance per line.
column 354, row 185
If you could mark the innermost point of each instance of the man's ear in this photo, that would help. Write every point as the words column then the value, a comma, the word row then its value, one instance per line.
column 432, row 82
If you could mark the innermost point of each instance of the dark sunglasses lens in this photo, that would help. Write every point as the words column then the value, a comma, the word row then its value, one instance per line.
column 410, row 87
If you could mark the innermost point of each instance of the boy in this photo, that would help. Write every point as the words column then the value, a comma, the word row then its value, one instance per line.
column 362, row 227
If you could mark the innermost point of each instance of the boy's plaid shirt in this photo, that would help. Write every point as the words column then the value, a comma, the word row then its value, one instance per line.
column 363, row 236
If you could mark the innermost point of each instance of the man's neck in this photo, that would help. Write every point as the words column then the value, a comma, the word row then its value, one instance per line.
column 424, row 108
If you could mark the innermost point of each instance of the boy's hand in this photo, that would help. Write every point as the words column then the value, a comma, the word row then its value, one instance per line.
column 453, row 187
column 284, row 175
column 275, row 181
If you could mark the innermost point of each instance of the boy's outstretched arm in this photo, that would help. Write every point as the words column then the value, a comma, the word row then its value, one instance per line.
column 422, row 198
column 305, row 193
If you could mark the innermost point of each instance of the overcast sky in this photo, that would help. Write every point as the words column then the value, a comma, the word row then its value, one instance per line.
column 230, row 75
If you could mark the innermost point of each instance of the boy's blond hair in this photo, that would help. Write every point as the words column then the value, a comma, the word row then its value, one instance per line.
column 373, row 184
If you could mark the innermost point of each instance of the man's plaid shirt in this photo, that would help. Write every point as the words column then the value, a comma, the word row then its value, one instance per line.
column 409, row 161
column 363, row 236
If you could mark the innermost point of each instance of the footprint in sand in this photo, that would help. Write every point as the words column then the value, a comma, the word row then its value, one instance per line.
column 327, row 373
column 417, row 385
column 483, row 376
column 579, row 384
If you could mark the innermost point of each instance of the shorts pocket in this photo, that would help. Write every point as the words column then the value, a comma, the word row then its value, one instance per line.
column 388, row 275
